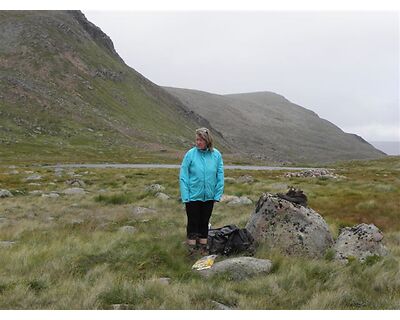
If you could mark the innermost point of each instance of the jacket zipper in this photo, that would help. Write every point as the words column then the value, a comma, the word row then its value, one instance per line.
column 204, row 180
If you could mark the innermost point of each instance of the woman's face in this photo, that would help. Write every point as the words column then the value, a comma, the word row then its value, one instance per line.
column 200, row 142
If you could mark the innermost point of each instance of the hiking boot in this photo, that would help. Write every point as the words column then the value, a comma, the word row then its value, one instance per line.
column 191, row 250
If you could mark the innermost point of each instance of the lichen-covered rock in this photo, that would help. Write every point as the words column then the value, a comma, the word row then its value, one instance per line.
column 238, row 268
column 34, row 177
column 142, row 210
column 154, row 188
column 228, row 198
column 360, row 241
column 289, row 227
column 239, row 201
column 235, row 201
column 76, row 183
column 245, row 179
column 5, row 193
column 162, row 196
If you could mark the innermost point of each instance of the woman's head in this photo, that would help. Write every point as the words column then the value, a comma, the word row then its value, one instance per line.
column 204, row 139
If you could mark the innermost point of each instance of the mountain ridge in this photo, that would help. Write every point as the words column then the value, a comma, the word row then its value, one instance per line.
column 65, row 93
column 63, row 85
column 295, row 133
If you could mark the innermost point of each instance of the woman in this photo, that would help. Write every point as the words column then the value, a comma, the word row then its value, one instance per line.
column 201, row 184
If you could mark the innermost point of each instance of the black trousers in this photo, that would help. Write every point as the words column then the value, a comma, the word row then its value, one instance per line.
column 198, row 215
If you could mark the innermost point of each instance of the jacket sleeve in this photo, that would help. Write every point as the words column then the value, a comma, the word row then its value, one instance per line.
column 219, row 188
column 184, row 178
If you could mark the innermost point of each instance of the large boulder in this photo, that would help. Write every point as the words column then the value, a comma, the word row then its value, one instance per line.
column 239, row 268
column 360, row 241
column 289, row 227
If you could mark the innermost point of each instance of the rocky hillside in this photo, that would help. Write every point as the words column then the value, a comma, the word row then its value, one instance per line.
column 65, row 92
column 67, row 96
column 267, row 126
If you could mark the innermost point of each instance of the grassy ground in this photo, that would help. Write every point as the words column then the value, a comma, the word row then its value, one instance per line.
column 69, row 253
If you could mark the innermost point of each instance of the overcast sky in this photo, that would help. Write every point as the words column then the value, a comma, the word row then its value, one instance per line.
column 342, row 65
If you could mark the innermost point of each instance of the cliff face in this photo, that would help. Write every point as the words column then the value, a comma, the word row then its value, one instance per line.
column 95, row 32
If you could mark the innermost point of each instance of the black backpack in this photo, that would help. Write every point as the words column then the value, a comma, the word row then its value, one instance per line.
column 230, row 239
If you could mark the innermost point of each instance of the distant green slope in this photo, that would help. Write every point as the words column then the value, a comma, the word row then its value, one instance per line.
column 66, row 95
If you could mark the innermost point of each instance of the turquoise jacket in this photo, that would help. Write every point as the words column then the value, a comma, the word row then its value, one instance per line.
column 202, row 175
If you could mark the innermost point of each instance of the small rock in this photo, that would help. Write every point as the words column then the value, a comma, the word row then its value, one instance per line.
column 51, row 195
column 34, row 177
column 238, row 268
column 162, row 196
column 154, row 188
column 73, row 191
column 36, row 192
column 7, row 244
column 76, row 222
column 76, row 183
column 240, row 201
column 226, row 198
column 121, row 306
column 5, row 193
column 127, row 229
column 245, row 179
column 142, row 210
column 220, row 306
